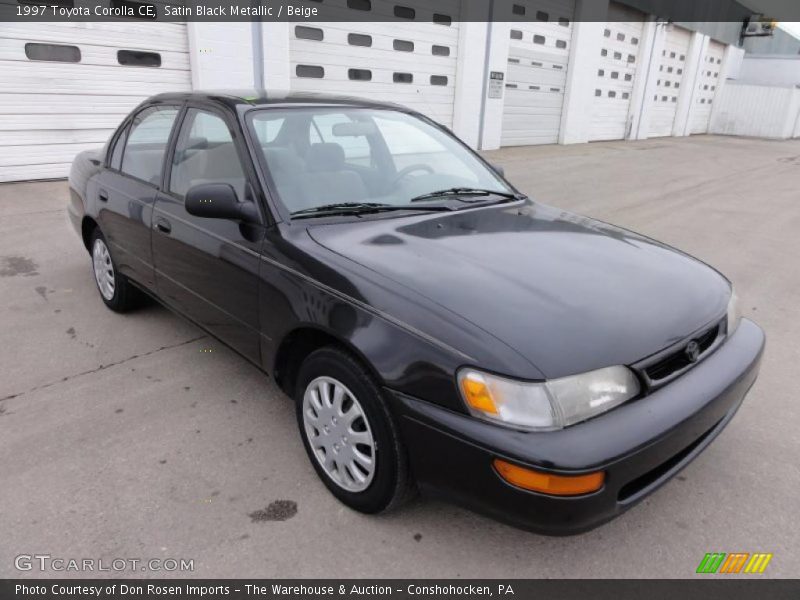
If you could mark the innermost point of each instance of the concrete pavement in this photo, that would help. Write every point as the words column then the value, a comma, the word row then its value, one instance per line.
column 120, row 437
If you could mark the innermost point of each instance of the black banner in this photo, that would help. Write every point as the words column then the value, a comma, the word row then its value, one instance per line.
column 442, row 12
column 713, row 588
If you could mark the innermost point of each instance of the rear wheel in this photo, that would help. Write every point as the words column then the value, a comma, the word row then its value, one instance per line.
column 116, row 291
column 349, row 434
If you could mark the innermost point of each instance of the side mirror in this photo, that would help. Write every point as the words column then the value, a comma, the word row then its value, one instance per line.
column 498, row 169
column 218, row 201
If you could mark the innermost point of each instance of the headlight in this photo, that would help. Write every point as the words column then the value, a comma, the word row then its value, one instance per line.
column 734, row 312
column 548, row 405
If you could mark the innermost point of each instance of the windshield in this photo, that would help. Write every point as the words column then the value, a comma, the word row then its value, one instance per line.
column 318, row 157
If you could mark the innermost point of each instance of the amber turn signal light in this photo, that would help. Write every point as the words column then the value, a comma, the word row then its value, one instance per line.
column 477, row 394
column 548, row 483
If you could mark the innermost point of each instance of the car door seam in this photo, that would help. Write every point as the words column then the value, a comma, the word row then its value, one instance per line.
column 320, row 285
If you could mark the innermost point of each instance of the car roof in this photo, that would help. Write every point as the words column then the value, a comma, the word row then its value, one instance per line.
column 256, row 97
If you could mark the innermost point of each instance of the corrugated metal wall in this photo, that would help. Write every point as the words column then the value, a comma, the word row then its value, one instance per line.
column 756, row 111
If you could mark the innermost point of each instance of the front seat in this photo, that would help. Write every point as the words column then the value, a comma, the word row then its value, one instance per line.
column 218, row 164
column 327, row 180
column 222, row 165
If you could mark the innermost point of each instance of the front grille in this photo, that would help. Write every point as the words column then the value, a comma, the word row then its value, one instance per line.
column 678, row 360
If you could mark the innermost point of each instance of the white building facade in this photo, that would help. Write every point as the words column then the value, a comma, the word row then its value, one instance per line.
column 542, row 75
column 764, row 101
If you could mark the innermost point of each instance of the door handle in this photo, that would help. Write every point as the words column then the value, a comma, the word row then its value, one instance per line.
column 163, row 225
column 102, row 195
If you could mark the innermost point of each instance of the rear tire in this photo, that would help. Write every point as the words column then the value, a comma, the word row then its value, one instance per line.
column 115, row 289
column 349, row 434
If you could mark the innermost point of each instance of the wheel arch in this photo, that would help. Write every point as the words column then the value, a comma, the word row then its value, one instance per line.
column 299, row 343
column 88, row 226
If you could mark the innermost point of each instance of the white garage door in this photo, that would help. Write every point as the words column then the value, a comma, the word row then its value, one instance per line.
column 411, row 63
column 64, row 87
column 616, row 72
column 670, row 78
column 538, row 55
column 708, row 82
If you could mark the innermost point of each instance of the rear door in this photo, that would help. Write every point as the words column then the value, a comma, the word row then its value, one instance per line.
column 126, row 190
column 208, row 268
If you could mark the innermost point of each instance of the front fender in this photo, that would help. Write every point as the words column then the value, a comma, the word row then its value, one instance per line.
column 403, row 359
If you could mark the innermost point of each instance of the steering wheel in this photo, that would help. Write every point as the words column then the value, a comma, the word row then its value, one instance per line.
column 404, row 172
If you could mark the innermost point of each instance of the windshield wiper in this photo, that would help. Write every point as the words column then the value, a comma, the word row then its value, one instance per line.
column 346, row 208
column 466, row 191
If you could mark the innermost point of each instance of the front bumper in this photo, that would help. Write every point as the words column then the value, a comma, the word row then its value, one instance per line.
column 640, row 445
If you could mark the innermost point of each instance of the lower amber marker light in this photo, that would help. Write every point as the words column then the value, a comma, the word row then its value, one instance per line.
column 548, row 483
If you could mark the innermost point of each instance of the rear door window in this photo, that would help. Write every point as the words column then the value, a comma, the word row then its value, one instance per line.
column 147, row 143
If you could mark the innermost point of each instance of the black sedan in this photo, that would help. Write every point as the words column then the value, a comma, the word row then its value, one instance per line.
column 436, row 328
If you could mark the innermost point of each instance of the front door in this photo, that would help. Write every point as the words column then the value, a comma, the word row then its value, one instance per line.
column 208, row 268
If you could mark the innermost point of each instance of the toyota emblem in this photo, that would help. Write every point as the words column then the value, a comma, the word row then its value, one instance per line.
column 692, row 351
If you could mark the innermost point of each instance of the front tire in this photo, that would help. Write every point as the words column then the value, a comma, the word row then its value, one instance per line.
column 115, row 290
column 349, row 434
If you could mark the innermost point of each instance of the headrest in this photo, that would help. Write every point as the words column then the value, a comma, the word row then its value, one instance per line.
column 283, row 159
column 325, row 157
column 222, row 161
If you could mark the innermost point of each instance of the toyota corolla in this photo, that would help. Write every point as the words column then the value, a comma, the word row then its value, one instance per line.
column 436, row 328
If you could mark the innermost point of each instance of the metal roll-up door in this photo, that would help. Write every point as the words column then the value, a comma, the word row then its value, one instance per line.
column 671, row 68
column 411, row 62
column 538, row 57
column 707, row 85
column 616, row 73
column 64, row 87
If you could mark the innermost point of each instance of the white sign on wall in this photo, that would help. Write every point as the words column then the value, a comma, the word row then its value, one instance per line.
column 496, row 84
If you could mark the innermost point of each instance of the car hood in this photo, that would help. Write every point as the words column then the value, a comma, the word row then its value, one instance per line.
column 568, row 293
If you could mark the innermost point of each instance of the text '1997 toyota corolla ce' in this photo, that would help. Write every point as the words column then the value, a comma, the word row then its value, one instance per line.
column 437, row 329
